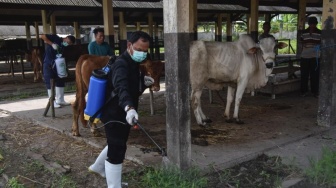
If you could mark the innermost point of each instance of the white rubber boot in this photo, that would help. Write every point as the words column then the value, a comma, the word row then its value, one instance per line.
column 60, row 96
column 113, row 174
column 55, row 104
column 99, row 166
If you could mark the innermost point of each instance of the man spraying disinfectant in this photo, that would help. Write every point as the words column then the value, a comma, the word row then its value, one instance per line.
column 54, row 45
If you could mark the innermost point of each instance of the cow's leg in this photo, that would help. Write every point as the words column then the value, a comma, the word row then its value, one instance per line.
column 239, row 95
column 35, row 72
column 229, row 100
column 75, row 116
column 93, row 126
column 196, row 104
column 95, row 131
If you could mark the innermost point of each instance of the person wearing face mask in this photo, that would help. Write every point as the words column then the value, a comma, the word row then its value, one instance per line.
column 126, row 84
column 54, row 45
column 99, row 46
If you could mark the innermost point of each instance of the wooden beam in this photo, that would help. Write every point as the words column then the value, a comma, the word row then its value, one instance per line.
column 108, row 22
column 53, row 24
column 254, row 19
column 46, row 26
column 301, row 24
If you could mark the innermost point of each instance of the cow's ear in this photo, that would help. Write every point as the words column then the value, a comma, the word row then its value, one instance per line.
column 252, row 50
column 281, row 45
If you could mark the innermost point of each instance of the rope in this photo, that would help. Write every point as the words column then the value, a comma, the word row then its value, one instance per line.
column 318, row 48
column 113, row 121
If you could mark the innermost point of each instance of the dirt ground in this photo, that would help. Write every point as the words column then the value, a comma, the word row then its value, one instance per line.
column 41, row 157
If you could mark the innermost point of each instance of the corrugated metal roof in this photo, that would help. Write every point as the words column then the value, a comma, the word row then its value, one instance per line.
column 86, row 3
column 134, row 4
column 221, row 7
column 276, row 9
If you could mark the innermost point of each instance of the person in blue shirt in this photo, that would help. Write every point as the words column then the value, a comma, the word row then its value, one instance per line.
column 99, row 46
column 54, row 45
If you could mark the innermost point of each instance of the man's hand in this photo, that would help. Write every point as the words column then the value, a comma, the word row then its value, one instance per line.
column 131, row 116
column 148, row 81
column 55, row 46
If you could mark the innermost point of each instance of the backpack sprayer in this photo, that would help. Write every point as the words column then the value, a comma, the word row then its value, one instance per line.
column 96, row 93
column 60, row 66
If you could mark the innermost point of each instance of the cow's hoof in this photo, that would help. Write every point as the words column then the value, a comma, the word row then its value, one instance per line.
column 205, row 125
column 200, row 141
column 238, row 121
column 207, row 120
column 229, row 120
column 75, row 134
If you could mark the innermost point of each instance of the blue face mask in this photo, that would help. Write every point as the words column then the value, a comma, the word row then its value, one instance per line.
column 65, row 44
column 138, row 56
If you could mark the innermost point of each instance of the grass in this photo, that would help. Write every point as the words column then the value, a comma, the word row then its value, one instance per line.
column 323, row 171
column 14, row 183
column 64, row 182
column 264, row 171
column 159, row 177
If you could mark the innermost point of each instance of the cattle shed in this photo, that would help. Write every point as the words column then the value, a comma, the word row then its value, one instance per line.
column 179, row 19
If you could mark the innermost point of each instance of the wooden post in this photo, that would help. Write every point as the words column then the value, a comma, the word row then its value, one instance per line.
column 178, row 28
column 37, row 32
column 156, row 41
column 219, row 25
column 228, row 28
column 194, row 17
column 150, row 32
column 46, row 26
column 108, row 22
column 51, row 100
column 122, row 33
column 28, row 36
column 77, row 33
column 138, row 26
column 254, row 20
column 301, row 25
column 327, row 99
column 53, row 24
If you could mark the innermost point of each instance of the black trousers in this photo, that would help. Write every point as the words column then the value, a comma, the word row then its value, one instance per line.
column 117, row 136
column 310, row 70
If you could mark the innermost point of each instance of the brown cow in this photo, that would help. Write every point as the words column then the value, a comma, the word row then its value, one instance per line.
column 35, row 57
column 84, row 67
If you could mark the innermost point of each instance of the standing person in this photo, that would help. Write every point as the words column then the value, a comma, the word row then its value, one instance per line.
column 267, row 29
column 309, row 65
column 99, row 46
column 55, row 44
column 126, row 81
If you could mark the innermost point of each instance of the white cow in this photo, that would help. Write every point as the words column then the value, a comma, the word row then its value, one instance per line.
column 239, row 65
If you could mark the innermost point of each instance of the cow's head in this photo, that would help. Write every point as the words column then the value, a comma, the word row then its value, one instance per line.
column 267, row 46
column 153, row 69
